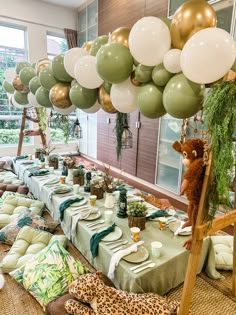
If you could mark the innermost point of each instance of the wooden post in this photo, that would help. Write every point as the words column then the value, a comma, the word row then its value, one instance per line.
column 21, row 134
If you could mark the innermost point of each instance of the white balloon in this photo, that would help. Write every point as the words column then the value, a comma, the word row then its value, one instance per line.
column 32, row 100
column 208, row 55
column 149, row 40
column 171, row 60
column 10, row 74
column 86, row 72
column 64, row 111
column 124, row 96
column 95, row 108
column 71, row 57
column 14, row 103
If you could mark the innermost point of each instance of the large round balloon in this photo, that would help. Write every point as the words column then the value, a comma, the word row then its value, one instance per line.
column 183, row 98
column 160, row 75
column 81, row 97
column 59, row 70
column 21, row 65
column 59, row 95
column 64, row 111
column 87, row 46
column 45, row 62
column 17, row 105
column 208, row 55
column 8, row 87
column 104, row 100
column 46, row 78
column 171, row 60
column 86, row 72
column 124, row 96
column 26, row 74
column 21, row 98
column 143, row 73
column 95, row 108
column 42, row 97
column 120, row 35
column 71, row 57
column 10, row 74
column 97, row 44
column 149, row 40
column 114, row 62
column 34, row 84
column 19, row 86
column 32, row 100
column 150, row 101
column 191, row 17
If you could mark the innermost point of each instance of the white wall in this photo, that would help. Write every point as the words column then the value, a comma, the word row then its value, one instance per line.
column 38, row 18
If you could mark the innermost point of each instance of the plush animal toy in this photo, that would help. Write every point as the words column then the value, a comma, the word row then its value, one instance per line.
column 105, row 300
column 192, row 151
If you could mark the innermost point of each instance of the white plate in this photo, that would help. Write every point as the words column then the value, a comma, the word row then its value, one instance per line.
column 62, row 190
column 113, row 236
column 79, row 203
column 174, row 225
column 93, row 216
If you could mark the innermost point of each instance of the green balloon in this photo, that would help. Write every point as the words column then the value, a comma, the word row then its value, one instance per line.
column 21, row 65
column 166, row 21
column 42, row 97
column 46, row 78
column 150, row 101
column 34, row 84
column 8, row 87
column 21, row 98
column 143, row 73
column 97, row 44
column 183, row 98
column 234, row 66
column 107, row 87
column 26, row 74
column 114, row 62
column 160, row 75
column 82, row 97
column 59, row 70
column 73, row 82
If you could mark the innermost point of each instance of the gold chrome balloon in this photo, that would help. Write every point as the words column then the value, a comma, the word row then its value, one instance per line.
column 105, row 101
column 59, row 95
column 120, row 35
column 191, row 17
column 87, row 45
column 19, row 86
column 133, row 79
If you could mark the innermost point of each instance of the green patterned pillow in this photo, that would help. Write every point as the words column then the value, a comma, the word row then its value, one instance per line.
column 48, row 275
column 9, row 233
column 10, row 193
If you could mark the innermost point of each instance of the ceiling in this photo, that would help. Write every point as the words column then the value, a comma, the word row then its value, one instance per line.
column 66, row 3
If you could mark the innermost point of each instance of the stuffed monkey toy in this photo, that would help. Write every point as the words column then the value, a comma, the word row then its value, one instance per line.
column 192, row 151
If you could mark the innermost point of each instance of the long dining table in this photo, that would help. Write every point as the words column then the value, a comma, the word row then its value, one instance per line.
column 170, row 268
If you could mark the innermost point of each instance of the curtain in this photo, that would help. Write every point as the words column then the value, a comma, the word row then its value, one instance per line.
column 71, row 38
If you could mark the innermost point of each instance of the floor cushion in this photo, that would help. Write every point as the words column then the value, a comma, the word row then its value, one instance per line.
column 9, row 233
column 49, row 273
column 13, row 206
column 10, row 193
column 29, row 242
column 220, row 255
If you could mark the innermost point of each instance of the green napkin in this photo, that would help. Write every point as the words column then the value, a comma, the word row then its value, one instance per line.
column 38, row 173
column 21, row 157
column 158, row 214
column 96, row 238
column 65, row 204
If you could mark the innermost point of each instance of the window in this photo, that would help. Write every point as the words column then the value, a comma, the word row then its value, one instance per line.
column 56, row 45
column 12, row 51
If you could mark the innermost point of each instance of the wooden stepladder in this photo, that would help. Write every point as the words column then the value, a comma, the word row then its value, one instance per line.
column 38, row 132
column 205, row 228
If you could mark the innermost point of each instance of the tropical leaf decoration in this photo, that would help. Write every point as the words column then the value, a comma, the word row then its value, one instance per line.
column 3, row 237
column 24, row 221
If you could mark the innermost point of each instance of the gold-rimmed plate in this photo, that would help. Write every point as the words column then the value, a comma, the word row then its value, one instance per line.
column 141, row 255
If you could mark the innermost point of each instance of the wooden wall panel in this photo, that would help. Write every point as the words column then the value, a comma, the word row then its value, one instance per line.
column 102, row 136
column 156, row 8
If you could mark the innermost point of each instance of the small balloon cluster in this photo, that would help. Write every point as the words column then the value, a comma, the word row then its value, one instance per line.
column 158, row 66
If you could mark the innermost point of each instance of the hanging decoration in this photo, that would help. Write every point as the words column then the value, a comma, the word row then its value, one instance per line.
column 77, row 130
column 124, row 137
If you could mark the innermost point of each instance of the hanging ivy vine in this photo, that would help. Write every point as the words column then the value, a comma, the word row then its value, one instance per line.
column 121, row 121
column 42, row 111
column 220, row 118
column 64, row 123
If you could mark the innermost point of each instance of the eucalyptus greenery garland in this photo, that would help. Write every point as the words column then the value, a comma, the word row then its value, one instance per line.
column 220, row 119
column 121, row 121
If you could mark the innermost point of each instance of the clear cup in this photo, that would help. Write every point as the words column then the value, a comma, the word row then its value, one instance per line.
column 135, row 233
column 108, row 215
column 76, row 188
column 92, row 200
column 156, row 249
column 163, row 223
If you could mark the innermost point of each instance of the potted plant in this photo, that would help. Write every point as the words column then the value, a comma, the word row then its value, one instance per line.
column 53, row 161
column 78, row 175
column 137, row 214
column 96, row 187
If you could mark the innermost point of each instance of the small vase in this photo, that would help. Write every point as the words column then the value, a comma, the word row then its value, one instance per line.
column 137, row 222
column 70, row 175
column 109, row 201
column 46, row 160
